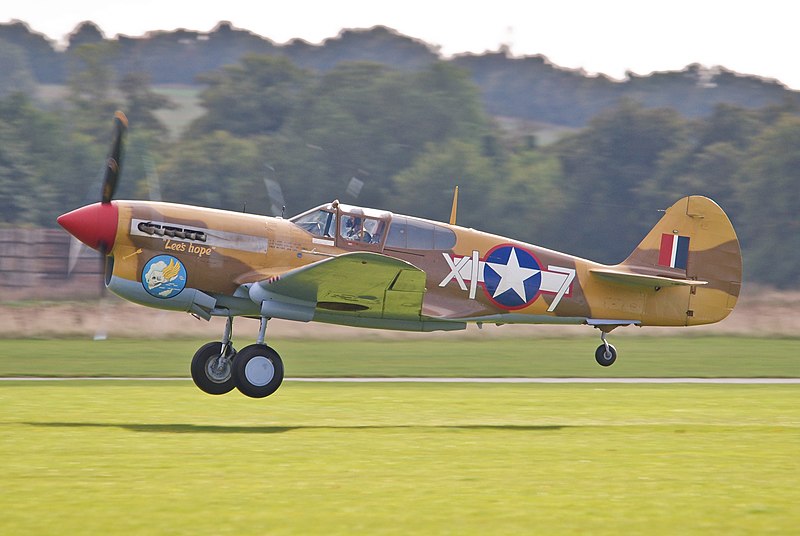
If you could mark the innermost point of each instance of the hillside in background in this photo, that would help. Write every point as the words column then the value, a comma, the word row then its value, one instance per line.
column 529, row 88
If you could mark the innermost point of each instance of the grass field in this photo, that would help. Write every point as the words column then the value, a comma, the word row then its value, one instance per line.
column 638, row 356
column 151, row 457
column 162, row 458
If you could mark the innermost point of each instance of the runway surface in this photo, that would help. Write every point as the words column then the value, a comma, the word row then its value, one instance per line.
column 747, row 381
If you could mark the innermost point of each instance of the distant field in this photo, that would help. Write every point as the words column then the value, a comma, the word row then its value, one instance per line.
column 185, row 98
column 187, row 108
column 163, row 458
column 716, row 356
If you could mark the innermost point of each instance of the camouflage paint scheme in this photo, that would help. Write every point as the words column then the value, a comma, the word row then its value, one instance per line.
column 258, row 266
column 363, row 267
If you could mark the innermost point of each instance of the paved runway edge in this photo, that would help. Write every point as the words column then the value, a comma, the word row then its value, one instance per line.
column 724, row 381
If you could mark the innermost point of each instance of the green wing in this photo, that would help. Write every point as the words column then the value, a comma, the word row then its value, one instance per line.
column 360, row 283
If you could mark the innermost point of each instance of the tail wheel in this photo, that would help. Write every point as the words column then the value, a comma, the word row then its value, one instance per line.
column 605, row 356
column 257, row 370
column 211, row 371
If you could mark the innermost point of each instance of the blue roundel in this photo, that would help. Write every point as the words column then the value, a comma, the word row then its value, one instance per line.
column 164, row 276
column 512, row 277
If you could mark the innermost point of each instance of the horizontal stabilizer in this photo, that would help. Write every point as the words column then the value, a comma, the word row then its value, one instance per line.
column 643, row 280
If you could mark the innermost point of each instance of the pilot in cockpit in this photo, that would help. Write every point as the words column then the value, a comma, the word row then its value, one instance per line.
column 352, row 228
column 358, row 228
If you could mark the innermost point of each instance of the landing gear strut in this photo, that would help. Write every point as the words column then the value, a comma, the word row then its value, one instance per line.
column 256, row 370
column 212, row 364
column 605, row 354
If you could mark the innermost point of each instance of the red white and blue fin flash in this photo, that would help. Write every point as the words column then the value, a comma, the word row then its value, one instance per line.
column 674, row 251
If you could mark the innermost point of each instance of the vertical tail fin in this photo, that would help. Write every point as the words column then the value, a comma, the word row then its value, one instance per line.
column 693, row 240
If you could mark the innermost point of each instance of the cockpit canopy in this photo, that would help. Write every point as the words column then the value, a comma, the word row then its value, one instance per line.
column 357, row 225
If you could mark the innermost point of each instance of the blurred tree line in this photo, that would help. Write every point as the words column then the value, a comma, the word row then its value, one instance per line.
column 275, row 134
column 526, row 87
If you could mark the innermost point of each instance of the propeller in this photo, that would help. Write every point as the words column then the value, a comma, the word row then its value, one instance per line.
column 96, row 225
column 76, row 247
column 114, row 162
column 110, row 180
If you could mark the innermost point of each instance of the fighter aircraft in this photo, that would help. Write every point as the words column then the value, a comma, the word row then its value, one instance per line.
column 371, row 268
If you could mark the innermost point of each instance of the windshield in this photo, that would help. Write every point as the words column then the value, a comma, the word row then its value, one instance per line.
column 318, row 223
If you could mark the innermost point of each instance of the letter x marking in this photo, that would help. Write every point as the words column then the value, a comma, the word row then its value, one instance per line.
column 455, row 271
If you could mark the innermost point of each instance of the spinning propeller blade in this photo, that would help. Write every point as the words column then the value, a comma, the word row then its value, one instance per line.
column 96, row 225
column 113, row 162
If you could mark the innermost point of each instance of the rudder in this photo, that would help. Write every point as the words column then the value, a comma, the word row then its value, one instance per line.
column 693, row 240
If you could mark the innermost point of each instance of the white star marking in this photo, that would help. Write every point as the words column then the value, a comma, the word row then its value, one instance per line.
column 512, row 276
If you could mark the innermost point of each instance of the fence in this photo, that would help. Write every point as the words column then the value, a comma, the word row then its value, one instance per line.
column 34, row 265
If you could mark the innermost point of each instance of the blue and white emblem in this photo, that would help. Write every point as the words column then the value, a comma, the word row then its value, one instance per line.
column 512, row 277
column 164, row 276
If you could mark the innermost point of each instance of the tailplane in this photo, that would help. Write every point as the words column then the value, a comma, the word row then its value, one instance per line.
column 693, row 245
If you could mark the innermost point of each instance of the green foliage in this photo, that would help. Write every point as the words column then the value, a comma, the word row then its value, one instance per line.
column 769, row 192
column 605, row 170
column 46, row 169
column 529, row 199
column 46, row 64
column 142, row 102
column 410, row 137
column 426, row 188
column 18, row 189
column 253, row 97
column 529, row 87
column 91, row 81
column 364, row 121
column 17, row 76
column 217, row 170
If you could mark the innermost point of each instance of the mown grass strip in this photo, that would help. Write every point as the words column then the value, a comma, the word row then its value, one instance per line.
column 163, row 458
column 638, row 357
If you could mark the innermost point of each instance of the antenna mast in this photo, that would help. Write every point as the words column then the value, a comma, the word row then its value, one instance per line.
column 455, row 207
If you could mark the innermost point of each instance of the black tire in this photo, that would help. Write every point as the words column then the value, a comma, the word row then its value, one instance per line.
column 602, row 358
column 257, row 370
column 206, row 376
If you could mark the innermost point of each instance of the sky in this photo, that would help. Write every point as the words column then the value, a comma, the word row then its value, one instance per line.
column 610, row 37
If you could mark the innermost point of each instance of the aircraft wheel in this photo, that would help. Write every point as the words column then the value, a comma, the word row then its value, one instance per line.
column 257, row 370
column 211, row 372
column 605, row 357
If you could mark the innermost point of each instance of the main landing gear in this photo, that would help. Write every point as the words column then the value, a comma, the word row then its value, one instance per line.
column 605, row 354
column 256, row 370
